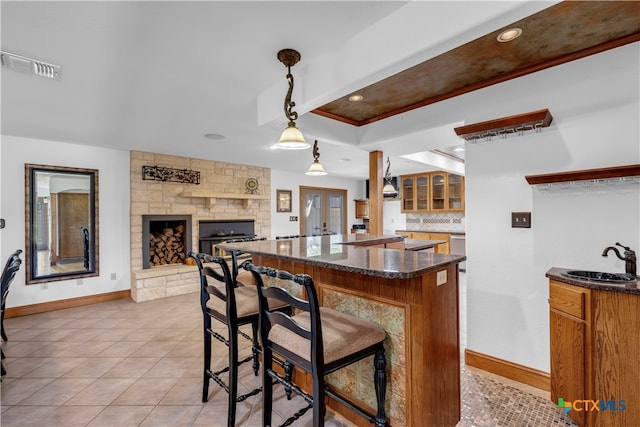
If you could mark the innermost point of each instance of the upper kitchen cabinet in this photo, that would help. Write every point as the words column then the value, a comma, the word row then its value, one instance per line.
column 362, row 208
column 415, row 193
column 432, row 192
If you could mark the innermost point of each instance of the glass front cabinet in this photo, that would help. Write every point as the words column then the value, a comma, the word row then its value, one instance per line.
column 432, row 192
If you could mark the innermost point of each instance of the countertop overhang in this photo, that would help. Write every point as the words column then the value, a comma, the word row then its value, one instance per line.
column 342, row 252
column 556, row 273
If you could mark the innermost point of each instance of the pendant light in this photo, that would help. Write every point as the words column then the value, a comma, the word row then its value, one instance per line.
column 291, row 138
column 388, row 189
column 316, row 168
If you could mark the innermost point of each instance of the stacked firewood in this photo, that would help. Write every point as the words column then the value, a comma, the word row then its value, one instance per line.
column 167, row 247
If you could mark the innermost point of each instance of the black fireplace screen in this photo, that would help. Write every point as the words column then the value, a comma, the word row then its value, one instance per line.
column 216, row 231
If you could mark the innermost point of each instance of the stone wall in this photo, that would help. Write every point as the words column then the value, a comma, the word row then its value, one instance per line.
column 165, row 198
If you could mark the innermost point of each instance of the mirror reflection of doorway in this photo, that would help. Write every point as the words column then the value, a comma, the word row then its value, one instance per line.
column 322, row 210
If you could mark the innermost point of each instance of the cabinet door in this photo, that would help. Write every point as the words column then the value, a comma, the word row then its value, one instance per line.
column 442, row 248
column 567, row 340
column 407, row 194
column 438, row 191
column 422, row 192
column 455, row 199
column 362, row 209
column 420, row 235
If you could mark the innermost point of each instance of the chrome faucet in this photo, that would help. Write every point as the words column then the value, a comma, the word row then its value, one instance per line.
column 629, row 258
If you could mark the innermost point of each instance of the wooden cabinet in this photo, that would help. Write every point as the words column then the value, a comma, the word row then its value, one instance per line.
column 432, row 192
column 594, row 344
column 568, row 322
column 415, row 193
column 362, row 208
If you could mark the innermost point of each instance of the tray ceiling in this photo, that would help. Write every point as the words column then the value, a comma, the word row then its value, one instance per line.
column 564, row 32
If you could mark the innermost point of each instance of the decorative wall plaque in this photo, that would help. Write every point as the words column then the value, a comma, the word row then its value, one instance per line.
column 251, row 186
column 159, row 173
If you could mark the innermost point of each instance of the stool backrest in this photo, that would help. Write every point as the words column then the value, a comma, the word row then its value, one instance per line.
column 270, row 318
column 207, row 289
column 8, row 274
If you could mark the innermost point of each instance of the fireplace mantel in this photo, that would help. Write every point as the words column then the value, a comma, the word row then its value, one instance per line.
column 211, row 197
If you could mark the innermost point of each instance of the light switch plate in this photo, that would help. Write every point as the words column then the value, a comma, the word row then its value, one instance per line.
column 441, row 277
column 520, row 219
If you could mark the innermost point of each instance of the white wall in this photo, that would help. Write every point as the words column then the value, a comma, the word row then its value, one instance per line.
column 392, row 217
column 595, row 105
column 281, row 180
column 113, row 181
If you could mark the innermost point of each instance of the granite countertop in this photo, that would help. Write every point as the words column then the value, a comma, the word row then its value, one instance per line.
column 418, row 245
column 556, row 273
column 338, row 252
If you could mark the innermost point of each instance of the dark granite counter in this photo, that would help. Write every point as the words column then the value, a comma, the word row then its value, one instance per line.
column 556, row 273
column 418, row 245
column 349, row 252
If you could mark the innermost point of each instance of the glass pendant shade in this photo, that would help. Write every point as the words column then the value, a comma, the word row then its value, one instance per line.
column 389, row 189
column 316, row 169
column 292, row 139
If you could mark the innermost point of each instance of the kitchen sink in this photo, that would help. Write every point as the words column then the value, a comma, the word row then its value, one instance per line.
column 597, row 276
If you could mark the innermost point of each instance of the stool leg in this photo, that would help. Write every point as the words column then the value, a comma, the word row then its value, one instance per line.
column 207, row 359
column 255, row 347
column 380, row 381
column 233, row 374
column 319, row 407
column 288, row 368
column 267, row 386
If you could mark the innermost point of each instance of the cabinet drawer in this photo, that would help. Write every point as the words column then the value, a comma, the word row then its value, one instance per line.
column 567, row 299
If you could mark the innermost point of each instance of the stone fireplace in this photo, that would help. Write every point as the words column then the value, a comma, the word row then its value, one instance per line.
column 220, row 197
column 166, row 239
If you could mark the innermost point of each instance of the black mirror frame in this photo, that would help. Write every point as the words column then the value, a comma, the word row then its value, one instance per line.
column 30, row 266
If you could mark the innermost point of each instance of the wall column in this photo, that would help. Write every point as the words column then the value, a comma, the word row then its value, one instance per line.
column 375, row 192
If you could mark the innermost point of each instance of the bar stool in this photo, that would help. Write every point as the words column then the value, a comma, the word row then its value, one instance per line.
column 232, row 303
column 318, row 340
column 8, row 273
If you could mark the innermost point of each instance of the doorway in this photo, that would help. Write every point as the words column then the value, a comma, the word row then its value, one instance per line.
column 322, row 210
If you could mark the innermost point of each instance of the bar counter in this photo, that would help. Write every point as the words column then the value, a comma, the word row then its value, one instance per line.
column 412, row 295
column 355, row 253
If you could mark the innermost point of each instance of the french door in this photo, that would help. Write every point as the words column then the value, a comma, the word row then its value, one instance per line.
column 322, row 210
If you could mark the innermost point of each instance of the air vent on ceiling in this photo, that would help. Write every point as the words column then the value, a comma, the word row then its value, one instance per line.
column 26, row 65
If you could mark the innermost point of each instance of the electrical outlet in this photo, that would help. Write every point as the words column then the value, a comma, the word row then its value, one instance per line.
column 79, row 282
column 113, row 276
column 44, row 286
column 520, row 219
column 441, row 277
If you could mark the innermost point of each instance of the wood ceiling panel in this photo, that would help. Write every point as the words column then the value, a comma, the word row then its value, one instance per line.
column 561, row 33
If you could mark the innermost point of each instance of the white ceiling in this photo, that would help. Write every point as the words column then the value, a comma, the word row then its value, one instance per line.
column 157, row 76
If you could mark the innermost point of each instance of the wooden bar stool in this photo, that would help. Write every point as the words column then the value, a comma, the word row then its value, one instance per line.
column 318, row 340
column 234, row 304
column 8, row 273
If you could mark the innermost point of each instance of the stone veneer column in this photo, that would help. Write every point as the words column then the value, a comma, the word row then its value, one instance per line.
column 165, row 198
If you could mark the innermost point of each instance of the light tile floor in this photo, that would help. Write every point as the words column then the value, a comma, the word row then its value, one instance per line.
column 125, row 364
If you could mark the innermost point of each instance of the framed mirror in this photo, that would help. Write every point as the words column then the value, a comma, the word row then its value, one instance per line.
column 61, row 221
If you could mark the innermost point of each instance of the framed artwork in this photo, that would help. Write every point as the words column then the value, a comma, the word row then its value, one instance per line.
column 283, row 198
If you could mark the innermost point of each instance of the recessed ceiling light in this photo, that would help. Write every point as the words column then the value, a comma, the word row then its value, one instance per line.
column 458, row 149
column 509, row 35
column 214, row 136
column 356, row 98
column 344, row 160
